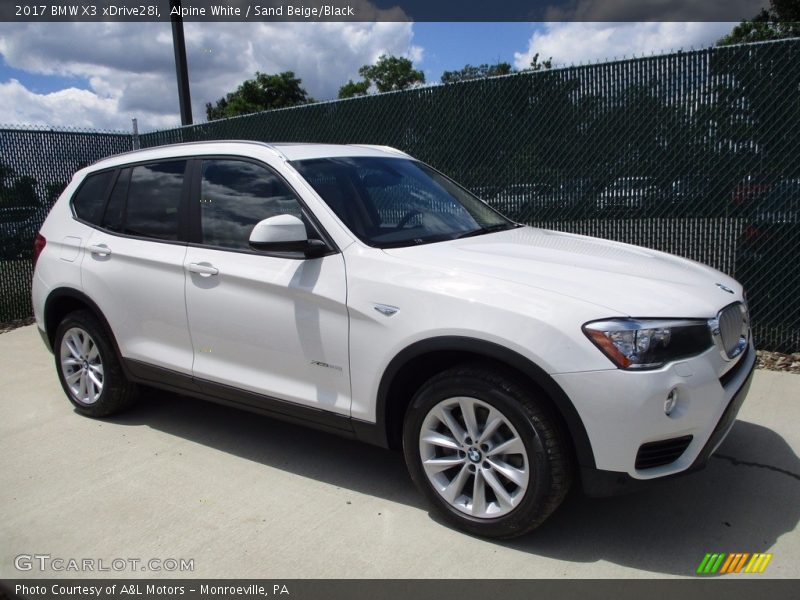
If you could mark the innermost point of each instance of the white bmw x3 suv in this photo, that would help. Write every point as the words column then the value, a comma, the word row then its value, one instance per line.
column 359, row 291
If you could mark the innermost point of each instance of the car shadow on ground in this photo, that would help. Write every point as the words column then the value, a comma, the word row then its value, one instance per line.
column 743, row 501
column 292, row 448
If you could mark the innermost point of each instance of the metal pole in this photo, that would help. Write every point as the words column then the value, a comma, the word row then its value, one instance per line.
column 135, row 133
column 181, row 69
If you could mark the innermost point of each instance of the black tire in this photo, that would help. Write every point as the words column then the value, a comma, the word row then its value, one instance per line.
column 117, row 393
column 549, row 463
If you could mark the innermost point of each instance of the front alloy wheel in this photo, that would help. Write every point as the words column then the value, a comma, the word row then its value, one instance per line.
column 474, row 457
column 487, row 450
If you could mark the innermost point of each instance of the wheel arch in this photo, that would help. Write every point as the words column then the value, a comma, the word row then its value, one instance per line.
column 418, row 362
column 62, row 301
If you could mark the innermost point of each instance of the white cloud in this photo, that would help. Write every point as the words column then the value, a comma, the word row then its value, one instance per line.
column 573, row 43
column 85, row 108
column 130, row 70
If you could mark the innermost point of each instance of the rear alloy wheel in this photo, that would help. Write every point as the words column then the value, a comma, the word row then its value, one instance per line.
column 88, row 367
column 81, row 366
column 488, row 454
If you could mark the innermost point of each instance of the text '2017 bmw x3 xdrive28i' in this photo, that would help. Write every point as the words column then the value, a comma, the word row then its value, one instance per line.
column 360, row 291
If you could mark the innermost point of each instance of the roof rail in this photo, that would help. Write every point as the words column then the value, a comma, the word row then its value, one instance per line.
column 379, row 147
column 181, row 144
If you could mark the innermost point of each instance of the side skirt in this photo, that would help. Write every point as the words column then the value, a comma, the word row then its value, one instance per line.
column 315, row 418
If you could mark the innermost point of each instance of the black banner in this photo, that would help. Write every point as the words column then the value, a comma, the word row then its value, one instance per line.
column 380, row 10
column 733, row 588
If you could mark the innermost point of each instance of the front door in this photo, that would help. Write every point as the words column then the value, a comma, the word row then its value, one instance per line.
column 273, row 325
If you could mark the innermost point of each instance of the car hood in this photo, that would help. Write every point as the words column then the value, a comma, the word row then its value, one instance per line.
column 626, row 279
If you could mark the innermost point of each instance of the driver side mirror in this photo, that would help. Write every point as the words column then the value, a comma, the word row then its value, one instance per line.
column 285, row 233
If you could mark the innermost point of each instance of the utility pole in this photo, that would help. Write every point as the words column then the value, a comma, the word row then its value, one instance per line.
column 181, row 69
column 135, row 133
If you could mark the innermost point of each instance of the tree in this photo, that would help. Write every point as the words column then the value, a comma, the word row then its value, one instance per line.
column 265, row 92
column 52, row 191
column 6, row 174
column 392, row 73
column 781, row 20
column 480, row 72
column 351, row 89
column 540, row 66
column 17, row 191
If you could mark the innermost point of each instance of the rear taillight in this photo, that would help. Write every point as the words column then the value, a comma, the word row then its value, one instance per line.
column 38, row 245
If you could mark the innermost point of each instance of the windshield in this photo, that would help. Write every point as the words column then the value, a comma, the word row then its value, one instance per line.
column 391, row 202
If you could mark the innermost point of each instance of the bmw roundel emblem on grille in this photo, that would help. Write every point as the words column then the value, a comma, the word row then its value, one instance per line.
column 724, row 288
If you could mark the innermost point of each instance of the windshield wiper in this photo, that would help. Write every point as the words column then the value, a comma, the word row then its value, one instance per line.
column 484, row 230
column 413, row 242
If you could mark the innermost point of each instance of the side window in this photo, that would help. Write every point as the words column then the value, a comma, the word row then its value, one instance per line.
column 114, row 218
column 154, row 198
column 89, row 201
column 235, row 195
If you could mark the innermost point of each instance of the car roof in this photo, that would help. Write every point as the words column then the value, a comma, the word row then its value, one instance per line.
column 287, row 151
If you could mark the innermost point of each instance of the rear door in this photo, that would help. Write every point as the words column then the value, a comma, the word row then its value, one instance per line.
column 133, row 268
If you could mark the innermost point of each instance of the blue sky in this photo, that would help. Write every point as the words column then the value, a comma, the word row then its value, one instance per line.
column 100, row 75
column 449, row 46
column 41, row 84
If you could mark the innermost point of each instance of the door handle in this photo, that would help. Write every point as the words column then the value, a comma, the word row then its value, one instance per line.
column 203, row 269
column 99, row 249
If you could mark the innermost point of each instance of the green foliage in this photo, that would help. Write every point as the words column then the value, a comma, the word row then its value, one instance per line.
column 483, row 71
column 6, row 173
column 781, row 20
column 540, row 66
column 352, row 89
column 391, row 73
column 265, row 92
column 53, row 191
column 17, row 191
column 480, row 72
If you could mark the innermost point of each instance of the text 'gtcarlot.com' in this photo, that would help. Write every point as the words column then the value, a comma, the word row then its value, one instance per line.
column 46, row 562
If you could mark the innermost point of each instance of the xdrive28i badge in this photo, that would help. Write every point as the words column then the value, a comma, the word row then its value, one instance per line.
column 724, row 288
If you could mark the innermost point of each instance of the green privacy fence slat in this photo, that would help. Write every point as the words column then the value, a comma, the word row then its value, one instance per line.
column 693, row 153
column 35, row 165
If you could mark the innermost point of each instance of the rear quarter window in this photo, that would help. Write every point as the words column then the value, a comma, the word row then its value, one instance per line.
column 90, row 199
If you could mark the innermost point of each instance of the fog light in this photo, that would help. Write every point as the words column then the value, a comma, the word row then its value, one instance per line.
column 671, row 401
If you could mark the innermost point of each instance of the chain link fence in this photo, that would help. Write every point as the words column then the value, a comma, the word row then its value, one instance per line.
column 35, row 166
column 695, row 153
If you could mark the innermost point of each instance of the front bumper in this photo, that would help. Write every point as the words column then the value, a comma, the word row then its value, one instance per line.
column 624, row 410
column 598, row 483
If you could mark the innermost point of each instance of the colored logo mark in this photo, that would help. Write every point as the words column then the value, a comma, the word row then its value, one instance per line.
column 736, row 562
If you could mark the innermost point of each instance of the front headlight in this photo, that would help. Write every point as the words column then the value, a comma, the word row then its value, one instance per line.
column 648, row 343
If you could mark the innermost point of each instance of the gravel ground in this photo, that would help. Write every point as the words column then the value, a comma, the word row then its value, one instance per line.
column 776, row 361
column 9, row 325
column 772, row 361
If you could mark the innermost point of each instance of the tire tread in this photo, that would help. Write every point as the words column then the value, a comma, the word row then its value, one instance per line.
column 554, row 441
column 118, row 392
